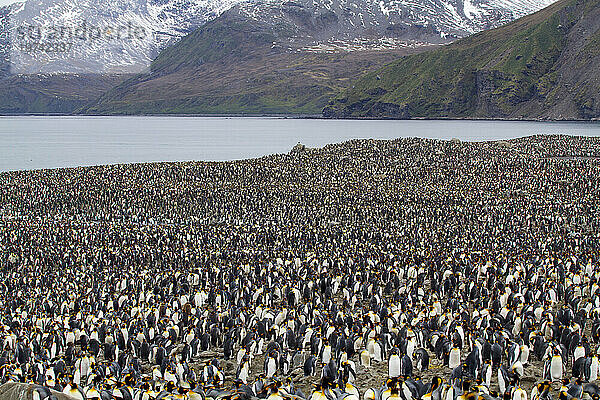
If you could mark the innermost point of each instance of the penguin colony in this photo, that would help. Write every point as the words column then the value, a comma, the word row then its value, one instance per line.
column 368, row 270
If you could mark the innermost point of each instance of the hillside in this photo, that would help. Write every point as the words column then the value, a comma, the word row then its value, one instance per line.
column 232, row 65
column 271, row 57
column 52, row 94
column 544, row 65
column 255, row 57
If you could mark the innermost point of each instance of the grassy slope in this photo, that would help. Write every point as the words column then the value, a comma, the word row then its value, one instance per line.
column 491, row 74
column 52, row 94
column 230, row 66
column 286, row 84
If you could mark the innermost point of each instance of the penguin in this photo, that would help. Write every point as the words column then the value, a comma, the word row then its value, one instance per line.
column 435, row 388
column 581, row 367
column 347, row 372
column 421, row 359
column 519, row 394
column 406, row 367
column 326, row 354
column 410, row 347
column 170, row 375
column 310, row 366
column 394, row 365
column 556, row 367
column 243, row 370
column 350, row 393
column 486, row 373
column 378, row 353
column 496, row 355
column 524, row 354
column 593, row 369
column 472, row 363
column 73, row 390
column 517, row 370
column 503, row 379
column 93, row 394
column 449, row 392
column 167, row 391
column 466, row 393
column 575, row 389
column 242, row 352
column 514, row 354
column 365, row 358
column 273, row 393
column 370, row 394
column 578, row 353
column 541, row 391
column 454, row 359
column 318, row 394
column 270, row 368
column 458, row 374
column 329, row 375
column 42, row 393
column 392, row 392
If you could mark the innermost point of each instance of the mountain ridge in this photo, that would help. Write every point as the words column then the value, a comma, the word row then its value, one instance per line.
column 538, row 67
column 272, row 56
column 231, row 66
column 306, row 35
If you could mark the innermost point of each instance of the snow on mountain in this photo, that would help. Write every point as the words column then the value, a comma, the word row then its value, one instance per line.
column 521, row 8
column 121, row 36
column 95, row 36
column 431, row 21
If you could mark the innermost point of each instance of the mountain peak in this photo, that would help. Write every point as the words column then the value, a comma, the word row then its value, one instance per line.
column 161, row 23
column 541, row 66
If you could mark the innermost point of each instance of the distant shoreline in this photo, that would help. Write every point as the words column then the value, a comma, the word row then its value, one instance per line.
column 297, row 116
column 292, row 150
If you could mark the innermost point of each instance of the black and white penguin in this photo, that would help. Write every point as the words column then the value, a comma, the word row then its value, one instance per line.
column 365, row 358
column 42, row 393
column 394, row 364
column 406, row 367
column 541, row 391
column 310, row 366
column 496, row 355
column 556, row 367
column 73, row 390
column 421, row 359
column 243, row 370
column 486, row 373
column 270, row 368
column 454, row 359
column 503, row 379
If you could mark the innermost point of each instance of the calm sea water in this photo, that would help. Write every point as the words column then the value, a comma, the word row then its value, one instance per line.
column 54, row 142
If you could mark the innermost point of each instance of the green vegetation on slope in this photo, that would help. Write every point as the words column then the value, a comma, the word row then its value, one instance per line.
column 513, row 71
column 52, row 94
column 236, row 66
column 213, row 42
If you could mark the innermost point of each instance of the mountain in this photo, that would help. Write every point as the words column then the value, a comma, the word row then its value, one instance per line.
column 542, row 66
column 120, row 36
column 432, row 21
column 61, row 83
column 233, row 65
column 292, row 56
column 221, row 56
column 55, row 82
column 163, row 22
column 52, row 94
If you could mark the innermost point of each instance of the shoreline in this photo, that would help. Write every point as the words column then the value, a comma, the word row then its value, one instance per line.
column 296, row 116
column 307, row 150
